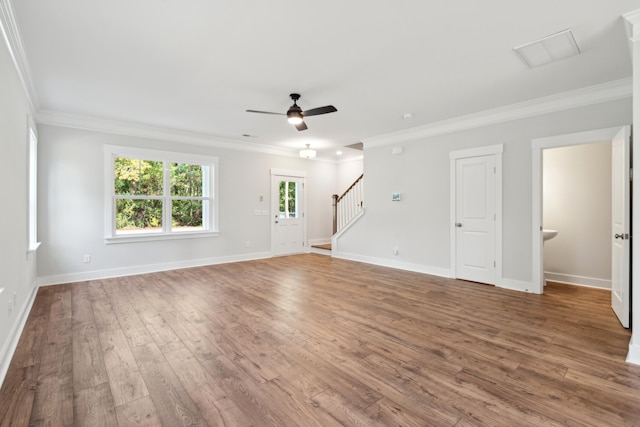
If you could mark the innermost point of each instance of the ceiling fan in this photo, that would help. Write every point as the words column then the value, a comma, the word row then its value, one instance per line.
column 295, row 115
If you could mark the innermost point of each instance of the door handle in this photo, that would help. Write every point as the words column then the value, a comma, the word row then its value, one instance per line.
column 276, row 222
column 624, row 236
column 458, row 224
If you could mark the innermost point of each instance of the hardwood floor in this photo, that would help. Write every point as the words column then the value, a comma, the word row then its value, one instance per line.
column 309, row 340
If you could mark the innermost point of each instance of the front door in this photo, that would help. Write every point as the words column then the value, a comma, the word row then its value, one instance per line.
column 287, row 214
column 620, row 227
column 475, row 216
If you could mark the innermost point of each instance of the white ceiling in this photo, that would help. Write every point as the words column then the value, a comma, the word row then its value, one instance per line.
column 197, row 65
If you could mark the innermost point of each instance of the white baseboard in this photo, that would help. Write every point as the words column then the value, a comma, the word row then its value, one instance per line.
column 634, row 354
column 401, row 265
column 590, row 282
column 143, row 269
column 14, row 336
column 516, row 285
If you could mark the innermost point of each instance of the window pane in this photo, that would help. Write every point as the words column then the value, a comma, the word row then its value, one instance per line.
column 288, row 199
column 138, row 216
column 186, row 215
column 135, row 177
column 186, row 180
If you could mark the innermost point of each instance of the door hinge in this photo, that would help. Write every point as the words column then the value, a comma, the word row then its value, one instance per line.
column 630, row 174
column 494, row 264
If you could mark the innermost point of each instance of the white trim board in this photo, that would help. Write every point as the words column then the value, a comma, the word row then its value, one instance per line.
column 117, row 127
column 6, row 353
column 570, row 279
column 509, row 284
column 149, row 268
column 400, row 265
column 611, row 91
column 13, row 40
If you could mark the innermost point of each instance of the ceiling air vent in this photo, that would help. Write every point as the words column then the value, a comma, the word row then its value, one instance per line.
column 548, row 49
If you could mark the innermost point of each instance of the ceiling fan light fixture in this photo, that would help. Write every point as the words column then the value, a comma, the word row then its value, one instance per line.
column 307, row 153
column 294, row 117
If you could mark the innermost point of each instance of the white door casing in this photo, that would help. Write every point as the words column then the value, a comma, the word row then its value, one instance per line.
column 475, row 207
column 288, row 231
column 620, row 227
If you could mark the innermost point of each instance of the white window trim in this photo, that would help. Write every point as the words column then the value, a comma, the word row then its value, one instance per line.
column 113, row 151
column 32, row 194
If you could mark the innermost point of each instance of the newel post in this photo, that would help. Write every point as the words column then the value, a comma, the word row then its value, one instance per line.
column 335, row 213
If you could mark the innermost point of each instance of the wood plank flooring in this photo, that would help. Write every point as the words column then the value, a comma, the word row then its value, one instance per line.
column 308, row 340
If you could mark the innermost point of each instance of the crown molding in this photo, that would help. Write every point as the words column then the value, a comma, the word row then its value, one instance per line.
column 605, row 92
column 13, row 40
column 632, row 27
column 117, row 127
column 632, row 23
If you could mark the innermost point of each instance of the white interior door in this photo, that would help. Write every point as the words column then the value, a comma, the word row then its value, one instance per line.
column 620, row 229
column 475, row 202
column 287, row 214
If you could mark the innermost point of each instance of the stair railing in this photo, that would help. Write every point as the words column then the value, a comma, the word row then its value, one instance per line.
column 348, row 205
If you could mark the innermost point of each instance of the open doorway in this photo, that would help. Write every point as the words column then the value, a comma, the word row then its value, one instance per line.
column 576, row 209
column 620, row 226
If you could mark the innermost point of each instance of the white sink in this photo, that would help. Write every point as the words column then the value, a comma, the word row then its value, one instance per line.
column 548, row 234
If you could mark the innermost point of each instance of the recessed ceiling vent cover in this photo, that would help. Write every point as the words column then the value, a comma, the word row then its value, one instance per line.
column 548, row 49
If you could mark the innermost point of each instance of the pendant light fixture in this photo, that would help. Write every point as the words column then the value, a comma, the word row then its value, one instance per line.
column 307, row 153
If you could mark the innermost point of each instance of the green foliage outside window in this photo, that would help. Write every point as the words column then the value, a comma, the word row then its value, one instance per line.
column 288, row 199
column 134, row 177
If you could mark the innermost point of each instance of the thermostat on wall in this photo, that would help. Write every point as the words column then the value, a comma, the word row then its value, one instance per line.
column 395, row 197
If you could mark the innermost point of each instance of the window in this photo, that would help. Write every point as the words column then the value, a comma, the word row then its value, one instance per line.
column 33, row 189
column 288, row 199
column 154, row 194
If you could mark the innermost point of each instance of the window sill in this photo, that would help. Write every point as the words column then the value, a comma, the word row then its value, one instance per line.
column 33, row 247
column 157, row 237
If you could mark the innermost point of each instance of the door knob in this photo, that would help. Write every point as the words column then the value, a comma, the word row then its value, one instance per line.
column 276, row 222
column 621, row 236
column 458, row 224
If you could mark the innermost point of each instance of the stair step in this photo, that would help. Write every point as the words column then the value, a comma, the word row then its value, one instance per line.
column 325, row 247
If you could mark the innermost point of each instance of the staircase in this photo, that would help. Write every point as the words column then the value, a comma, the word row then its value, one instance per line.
column 348, row 205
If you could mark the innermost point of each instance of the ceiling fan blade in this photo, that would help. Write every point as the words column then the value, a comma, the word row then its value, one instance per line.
column 301, row 126
column 265, row 112
column 320, row 110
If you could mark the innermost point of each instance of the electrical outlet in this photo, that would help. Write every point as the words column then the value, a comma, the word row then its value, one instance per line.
column 395, row 250
column 86, row 258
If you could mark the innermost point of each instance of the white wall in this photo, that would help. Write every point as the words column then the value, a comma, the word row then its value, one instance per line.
column 72, row 208
column 17, row 267
column 347, row 172
column 419, row 224
column 577, row 203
